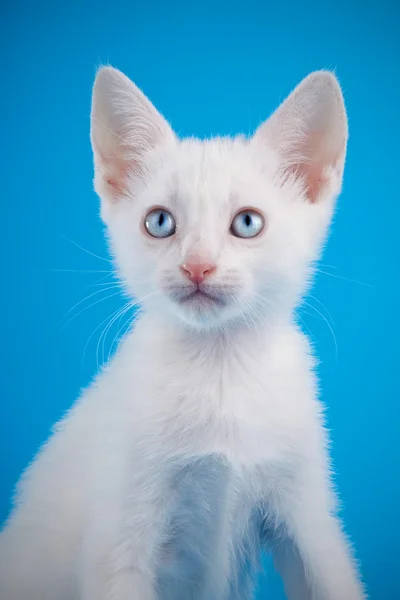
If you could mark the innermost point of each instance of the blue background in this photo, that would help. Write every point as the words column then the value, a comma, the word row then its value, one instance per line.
column 211, row 68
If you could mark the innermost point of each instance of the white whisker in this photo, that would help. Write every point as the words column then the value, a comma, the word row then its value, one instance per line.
column 308, row 330
column 87, row 251
column 107, row 328
column 345, row 278
column 116, row 337
column 104, row 334
column 90, row 306
column 109, row 287
column 96, row 329
column 105, row 284
column 328, row 324
column 79, row 271
column 322, row 306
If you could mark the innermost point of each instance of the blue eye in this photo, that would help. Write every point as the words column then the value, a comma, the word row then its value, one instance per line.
column 159, row 223
column 247, row 224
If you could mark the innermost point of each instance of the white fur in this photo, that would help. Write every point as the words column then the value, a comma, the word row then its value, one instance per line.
column 207, row 419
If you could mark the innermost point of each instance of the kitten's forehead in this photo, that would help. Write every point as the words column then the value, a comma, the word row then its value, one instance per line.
column 215, row 177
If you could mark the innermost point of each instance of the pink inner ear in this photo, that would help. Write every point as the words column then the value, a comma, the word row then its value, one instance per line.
column 115, row 171
column 114, row 176
column 318, row 158
column 115, row 184
column 313, row 177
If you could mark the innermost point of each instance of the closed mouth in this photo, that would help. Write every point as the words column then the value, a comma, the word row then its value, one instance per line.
column 202, row 296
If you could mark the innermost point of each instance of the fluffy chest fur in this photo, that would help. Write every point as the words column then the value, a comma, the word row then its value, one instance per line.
column 247, row 398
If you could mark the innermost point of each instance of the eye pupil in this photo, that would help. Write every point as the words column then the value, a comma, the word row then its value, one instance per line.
column 247, row 220
column 161, row 219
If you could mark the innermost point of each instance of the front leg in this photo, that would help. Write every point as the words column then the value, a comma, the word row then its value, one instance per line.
column 311, row 551
column 122, row 543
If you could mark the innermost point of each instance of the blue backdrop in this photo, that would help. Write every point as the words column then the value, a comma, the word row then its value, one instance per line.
column 212, row 68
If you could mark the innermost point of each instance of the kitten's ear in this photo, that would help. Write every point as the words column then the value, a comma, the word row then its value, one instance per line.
column 124, row 127
column 309, row 131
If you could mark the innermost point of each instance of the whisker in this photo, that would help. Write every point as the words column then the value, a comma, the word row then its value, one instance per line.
column 119, row 282
column 252, row 308
column 106, row 330
column 136, row 304
column 325, row 266
column 336, row 276
column 106, row 283
column 328, row 324
column 102, row 279
column 96, row 329
column 110, row 286
column 87, row 251
column 323, row 306
column 260, row 315
column 130, row 321
column 308, row 330
column 78, row 271
column 116, row 337
column 104, row 334
column 90, row 306
column 242, row 313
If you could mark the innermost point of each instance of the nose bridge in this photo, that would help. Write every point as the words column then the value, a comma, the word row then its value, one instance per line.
column 197, row 251
column 201, row 243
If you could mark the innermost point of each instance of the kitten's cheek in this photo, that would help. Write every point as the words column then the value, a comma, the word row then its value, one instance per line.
column 247, row 291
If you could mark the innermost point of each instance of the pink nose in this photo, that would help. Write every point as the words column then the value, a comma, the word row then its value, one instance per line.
column 197, row 272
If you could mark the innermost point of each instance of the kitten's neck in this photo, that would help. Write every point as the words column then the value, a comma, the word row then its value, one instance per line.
column 232, row 338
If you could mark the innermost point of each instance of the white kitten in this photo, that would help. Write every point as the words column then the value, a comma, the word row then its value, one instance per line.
column 203, row 440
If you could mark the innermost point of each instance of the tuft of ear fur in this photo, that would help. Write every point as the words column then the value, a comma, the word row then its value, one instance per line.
column 309, row 131
column 125, row 126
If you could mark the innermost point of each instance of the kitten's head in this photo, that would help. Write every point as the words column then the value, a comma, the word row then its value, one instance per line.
column 225, row 229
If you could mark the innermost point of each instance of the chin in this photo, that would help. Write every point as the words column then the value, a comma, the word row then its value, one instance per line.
column 206, row 308
column 201, row 317
column 204, row 314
